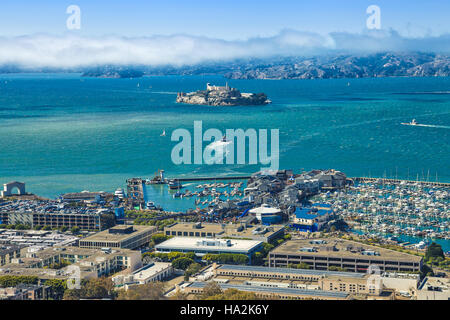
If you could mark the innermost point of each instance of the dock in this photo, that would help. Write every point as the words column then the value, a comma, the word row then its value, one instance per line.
column 396, row 181
column 211, row 178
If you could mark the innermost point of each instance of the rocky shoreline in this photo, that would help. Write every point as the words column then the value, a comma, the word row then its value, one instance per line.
column 222, row 96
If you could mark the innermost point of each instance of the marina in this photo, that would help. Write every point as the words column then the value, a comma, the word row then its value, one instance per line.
column 415, row 211
column 409, row 212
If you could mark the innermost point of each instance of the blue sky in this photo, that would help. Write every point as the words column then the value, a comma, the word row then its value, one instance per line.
column 34, row 34
column 229, row 19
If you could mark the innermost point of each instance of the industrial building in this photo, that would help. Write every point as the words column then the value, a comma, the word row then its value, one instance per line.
column 121, row 236
column 271, row 292
column 202, row 246
column 321, row 254
column 332, row 281
column 215, row 230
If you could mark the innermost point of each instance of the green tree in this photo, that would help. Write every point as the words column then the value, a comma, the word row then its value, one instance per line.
column 234, row 294
column 12, row 281
column 57, row 286
column 159, row 237
column 182, row 263
column 149, row 291
column 75, row 230
column 211, row 289
column 434, row 250
column 92, row 289
column 192, row 269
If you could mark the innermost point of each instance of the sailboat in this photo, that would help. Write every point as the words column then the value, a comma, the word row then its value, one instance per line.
column 412, row 123
column 163, row 134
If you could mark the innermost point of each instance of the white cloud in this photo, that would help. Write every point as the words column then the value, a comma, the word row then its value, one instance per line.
column 35, row 51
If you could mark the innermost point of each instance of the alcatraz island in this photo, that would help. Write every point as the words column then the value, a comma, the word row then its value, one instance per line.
column 222, row 96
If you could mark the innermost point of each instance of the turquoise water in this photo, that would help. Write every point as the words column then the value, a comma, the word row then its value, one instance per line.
column 61, row 132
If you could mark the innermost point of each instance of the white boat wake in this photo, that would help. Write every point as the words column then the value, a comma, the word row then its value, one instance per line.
column 221, row 148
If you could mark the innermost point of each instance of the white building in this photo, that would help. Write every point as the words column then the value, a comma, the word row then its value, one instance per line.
column 156, row 271
column 265, row 210
column 202, row 246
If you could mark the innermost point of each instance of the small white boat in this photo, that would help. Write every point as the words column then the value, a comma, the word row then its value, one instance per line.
column 163, row 134
column 412, row 123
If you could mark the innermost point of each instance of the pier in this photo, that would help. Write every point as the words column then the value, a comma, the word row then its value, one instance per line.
column 211, row 178
column 396, row 181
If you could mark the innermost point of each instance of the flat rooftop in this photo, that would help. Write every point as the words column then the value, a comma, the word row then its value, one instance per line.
column 190, row 227
column 290, row 271
column 343, row 249
column 290, row 291
column 150, row 270
column 207, row 244
column 226, row 230
column 105, row 235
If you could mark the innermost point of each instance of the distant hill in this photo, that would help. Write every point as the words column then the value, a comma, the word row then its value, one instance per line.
column 387, row 64
column 348, row 66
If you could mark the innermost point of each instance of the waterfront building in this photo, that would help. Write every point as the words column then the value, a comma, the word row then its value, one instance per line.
column 310, row 219
column 85, row 196
column 321, row 254
column 84, row 221
column 121, row 236
column 326, row 179
column 266, row 214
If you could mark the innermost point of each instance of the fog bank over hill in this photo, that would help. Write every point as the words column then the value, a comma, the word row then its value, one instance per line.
column 288, row 55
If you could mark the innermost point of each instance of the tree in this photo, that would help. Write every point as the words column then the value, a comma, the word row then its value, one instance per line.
column 434, row 250
column 182, row 263
column 159, row 237
column 192, row 269
column 92, row 289
column 234, row 294
column 212, row 288
column 426, row 271
column 57, row 286
column 149, row 291
column 303, row 265
column 179, row 295
column 12, row 281
column 75, row 230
